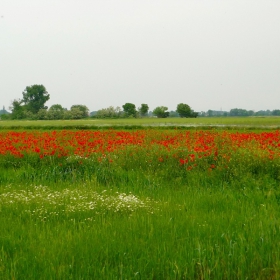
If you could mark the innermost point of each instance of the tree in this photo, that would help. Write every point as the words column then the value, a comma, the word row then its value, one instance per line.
column 56, row 112
column 67, row 115
column 184, row 110
column 238, row 112
column 275, row 113
column 84, row 111
column 129, row 109
column 42, row 114
column 17, row 109
column 76, row 113
column 250, row 113
column 109, row 112
column 160, row 112
column 144, row 109
column 194, row 114
column 173, row 114
column 263, row 113
column 34, row 98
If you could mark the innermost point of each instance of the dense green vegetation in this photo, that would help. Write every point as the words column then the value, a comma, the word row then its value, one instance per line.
column 196, row 123
column 140, row 213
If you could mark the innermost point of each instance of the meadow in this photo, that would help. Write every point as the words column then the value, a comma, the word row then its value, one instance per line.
column 140, row 203
column 216, row 122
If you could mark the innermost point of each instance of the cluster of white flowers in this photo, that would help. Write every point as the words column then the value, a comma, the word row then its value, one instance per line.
column 44, row 202
column 74, row 157
column 77, row 158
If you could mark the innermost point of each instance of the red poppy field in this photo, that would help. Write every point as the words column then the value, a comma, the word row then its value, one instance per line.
column 86, row 143
column 179, row 151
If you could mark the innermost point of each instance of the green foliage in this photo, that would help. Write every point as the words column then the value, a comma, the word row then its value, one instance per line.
column 75, row 114
column 275, row 113
column 236, row 112
column 17, row 110
column 79, row 111
column 5, row 117
column 42, row 114
column 173, row 114
column 144, row 110
column 110, row 113
column 160, row 112
column 32, row 107
column 56, row 112
column 185, row 111
column 129, row 110
column 34, row 98
column 240, row 112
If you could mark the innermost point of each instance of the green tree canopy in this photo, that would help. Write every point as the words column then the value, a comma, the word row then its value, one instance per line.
column 276, row 113
column 109, row 112
column 184, row 110
column 17, row 109
column 236, row 112
column 84, row 111
column 56, row 107
column 144, row 109
column 160, row 112
column 34, row 98
column 56, row 112
column 129, row 109
column 43, row 114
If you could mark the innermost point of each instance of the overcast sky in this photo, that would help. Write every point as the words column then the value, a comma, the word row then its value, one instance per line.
column 210, row 54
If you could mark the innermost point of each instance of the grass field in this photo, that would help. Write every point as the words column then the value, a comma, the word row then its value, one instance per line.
column 140, row 204
column 241, row 122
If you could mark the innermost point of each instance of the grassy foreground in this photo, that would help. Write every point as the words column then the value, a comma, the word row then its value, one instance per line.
column 200, row 206
column 230, row 122
column 83, row 232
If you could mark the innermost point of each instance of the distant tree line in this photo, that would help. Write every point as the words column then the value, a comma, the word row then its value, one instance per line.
column 32, row 106
column 236, row 112
column 129, row 111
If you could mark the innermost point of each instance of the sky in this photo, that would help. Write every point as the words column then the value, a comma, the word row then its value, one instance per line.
column 209, row 54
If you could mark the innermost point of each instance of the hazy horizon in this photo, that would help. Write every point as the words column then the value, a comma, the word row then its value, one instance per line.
column 216, row 55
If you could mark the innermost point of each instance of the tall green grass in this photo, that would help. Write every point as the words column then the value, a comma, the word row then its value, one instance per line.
column 186, row 233
column 228, row 122
column 137, row 217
